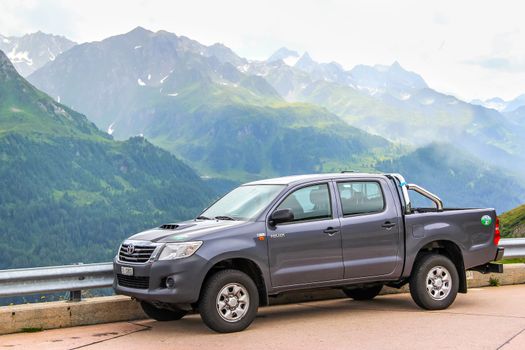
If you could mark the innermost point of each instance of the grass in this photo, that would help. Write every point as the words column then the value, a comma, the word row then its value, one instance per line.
column 511, row 261
column 494, row 282
column 31, row 329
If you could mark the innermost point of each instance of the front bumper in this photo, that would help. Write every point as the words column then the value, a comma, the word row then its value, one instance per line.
column 187, row 274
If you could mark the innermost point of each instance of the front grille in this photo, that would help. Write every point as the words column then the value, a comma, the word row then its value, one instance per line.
column 140, row 254
column 138, row 282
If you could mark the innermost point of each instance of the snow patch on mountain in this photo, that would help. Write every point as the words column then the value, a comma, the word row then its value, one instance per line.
column 110, row 128
column 166, row 77
column 174, row 94
column 19, row 56
column 291, row 60
column 243, row 68
column 499, row 106
column 224, row 83
column 427, row 101
column 286, row 55
column 137, row 47
column 51, row 55
column 404, row 96
column 141, row 82
column 370, row 90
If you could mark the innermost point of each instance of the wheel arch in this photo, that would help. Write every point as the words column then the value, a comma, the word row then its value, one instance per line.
column 452, row 251
column 249, row 267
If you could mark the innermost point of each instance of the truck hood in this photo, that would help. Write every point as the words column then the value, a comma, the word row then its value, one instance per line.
column 185, row 231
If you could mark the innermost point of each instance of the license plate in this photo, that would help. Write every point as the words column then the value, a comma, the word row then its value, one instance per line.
column 128, row 271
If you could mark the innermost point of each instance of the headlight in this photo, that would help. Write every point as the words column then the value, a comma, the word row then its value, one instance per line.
column 179, row 250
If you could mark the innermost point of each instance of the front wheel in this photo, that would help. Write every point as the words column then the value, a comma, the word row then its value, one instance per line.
column 229, row 301
column 162, row 314
column 365, row 293
column 434, row 282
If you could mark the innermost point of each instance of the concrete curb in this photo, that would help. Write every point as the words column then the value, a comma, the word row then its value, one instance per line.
column 60, row 314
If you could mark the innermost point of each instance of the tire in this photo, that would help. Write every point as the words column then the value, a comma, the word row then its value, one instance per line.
column 214, row 304
column 366, row 293
column 434, row 282
column 162, row 314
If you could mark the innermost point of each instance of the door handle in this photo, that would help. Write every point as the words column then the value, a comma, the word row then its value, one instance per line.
column 388, row 225
column 331, row 231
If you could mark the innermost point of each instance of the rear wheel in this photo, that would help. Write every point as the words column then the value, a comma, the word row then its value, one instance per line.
column 162, row 314
column 229, row 301
column 434, row 282
column 365, row 293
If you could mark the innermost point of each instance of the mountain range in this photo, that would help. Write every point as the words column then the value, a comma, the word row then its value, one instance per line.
column 397, row 104
column 235, row 118
column 197, row 102
column 501, row 105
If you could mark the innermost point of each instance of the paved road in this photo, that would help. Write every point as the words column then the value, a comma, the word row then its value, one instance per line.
column 485, row 318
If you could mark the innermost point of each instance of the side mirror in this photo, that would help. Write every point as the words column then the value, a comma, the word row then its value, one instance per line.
column 280, row 216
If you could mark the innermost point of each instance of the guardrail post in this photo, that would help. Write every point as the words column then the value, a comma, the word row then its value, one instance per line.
column 75, row 295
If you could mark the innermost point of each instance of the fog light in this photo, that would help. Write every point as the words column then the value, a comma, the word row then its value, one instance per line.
column 170, row 282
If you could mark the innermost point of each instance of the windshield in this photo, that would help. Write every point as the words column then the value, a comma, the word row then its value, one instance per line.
column 243, row 203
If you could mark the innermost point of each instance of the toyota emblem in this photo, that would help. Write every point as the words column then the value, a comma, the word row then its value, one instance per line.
column 130, row 249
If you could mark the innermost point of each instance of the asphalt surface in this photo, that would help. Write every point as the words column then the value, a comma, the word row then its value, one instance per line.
column 485, row 318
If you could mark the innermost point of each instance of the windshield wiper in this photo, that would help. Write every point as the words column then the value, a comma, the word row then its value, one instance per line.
column 202, row 217
column 224, row 217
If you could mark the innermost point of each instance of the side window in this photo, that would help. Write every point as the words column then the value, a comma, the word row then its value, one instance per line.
column 309, row 203
column 361, row 197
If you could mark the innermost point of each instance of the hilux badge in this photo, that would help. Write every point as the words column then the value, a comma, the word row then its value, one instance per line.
column 486, row 220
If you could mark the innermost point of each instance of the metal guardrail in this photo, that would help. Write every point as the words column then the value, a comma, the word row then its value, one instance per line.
column 75, row 278
column 55, row 279
column 514, row 247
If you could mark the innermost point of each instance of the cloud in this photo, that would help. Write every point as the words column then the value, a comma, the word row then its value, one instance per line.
column 27, row 16
column 499, row 64
column 505, row 54
column 440, row 18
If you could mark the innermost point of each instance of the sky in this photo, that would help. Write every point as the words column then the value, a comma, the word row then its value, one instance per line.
column 472, row 49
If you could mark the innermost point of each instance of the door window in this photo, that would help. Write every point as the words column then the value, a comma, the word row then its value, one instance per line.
column 309, row 203
column 361, row 197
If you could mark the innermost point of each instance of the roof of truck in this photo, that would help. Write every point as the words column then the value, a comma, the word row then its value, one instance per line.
column 295, row 179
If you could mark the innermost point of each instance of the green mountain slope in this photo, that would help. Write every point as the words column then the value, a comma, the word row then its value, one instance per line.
column 70, row 193
column 459, row 180
column 512, row 222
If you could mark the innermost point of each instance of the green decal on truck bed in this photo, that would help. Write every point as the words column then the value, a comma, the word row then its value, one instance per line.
column 486, row 220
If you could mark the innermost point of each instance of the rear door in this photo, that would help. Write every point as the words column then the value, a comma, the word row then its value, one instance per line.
column 308, row 249
column 370, row 228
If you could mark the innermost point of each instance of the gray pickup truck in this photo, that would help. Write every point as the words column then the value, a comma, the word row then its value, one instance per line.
column 356, row 232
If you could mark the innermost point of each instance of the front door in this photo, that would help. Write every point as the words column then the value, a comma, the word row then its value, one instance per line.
column 308, row 249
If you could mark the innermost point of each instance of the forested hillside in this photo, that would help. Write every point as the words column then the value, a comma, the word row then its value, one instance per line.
column 513, row 222
column 70, row 193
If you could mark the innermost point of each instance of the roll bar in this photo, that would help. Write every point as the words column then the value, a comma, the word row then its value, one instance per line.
column 405, row 187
